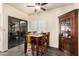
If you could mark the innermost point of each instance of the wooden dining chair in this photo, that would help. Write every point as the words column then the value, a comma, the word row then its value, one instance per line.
column 25, row 42
column 34, row 44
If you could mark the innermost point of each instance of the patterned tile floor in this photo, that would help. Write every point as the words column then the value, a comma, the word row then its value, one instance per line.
column 18, row 51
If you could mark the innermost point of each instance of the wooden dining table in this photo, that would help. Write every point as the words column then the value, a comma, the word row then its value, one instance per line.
column 33, row 37
column 35, row 41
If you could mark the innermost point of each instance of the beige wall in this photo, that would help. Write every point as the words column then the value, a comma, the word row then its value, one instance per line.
column 51, row 17
column 8, row 11
column 1, row 21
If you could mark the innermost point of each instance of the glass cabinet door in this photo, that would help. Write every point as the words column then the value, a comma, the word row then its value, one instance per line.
column 65, row 28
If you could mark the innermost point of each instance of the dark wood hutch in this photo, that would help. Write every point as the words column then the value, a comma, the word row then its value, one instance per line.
column 68, row 35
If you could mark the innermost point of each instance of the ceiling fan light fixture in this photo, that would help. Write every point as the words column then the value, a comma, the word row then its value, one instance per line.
column 37, row 7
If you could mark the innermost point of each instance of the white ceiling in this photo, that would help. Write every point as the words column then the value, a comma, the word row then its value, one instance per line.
column 30, row 10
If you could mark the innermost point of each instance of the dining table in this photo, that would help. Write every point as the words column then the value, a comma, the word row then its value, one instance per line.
column 36, row 41
column 29, row 38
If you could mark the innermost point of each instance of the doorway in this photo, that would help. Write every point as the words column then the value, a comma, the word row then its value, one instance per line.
column 16, row 30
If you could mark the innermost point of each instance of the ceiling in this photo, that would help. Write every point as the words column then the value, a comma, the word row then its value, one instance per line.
column 30, row 10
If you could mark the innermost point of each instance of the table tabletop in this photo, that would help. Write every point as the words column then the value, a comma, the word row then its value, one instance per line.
column 35, row 35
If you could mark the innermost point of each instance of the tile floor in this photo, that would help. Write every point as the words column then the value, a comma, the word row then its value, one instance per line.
column 19, row 51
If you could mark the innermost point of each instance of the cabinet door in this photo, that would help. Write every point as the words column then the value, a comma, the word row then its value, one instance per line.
column 68, row 33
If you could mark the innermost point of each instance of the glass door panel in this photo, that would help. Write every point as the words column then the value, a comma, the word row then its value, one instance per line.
column 16, row 30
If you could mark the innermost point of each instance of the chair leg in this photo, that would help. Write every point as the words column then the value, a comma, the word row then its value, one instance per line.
column 25, row 48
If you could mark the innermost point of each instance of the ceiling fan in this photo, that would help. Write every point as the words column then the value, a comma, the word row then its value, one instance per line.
column 38, row 6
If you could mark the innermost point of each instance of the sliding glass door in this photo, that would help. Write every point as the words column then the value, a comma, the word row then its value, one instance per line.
column 16, row 29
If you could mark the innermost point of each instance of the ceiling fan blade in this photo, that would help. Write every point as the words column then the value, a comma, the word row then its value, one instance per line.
column 43, row 4
column 30, row 6
column 43, row 9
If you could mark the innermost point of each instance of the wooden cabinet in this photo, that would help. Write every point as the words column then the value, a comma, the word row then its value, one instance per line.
column 68, row 35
